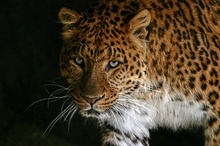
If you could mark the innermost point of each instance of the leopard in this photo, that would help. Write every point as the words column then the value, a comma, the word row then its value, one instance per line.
column 136, row 65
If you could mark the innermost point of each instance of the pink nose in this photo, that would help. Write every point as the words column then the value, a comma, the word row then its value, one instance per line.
column 92, row 100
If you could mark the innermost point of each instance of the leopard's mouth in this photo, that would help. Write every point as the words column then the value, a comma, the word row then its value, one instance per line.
column 91, row 113
column 94, row 107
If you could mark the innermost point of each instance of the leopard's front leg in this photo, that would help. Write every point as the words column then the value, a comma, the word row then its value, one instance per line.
column 112, row 136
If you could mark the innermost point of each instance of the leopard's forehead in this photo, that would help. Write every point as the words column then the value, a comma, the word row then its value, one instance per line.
column 102, row 30
column 116, row 12
column 105, row 23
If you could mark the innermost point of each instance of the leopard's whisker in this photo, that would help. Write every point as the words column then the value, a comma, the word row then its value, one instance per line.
column 71, row 113
column 122, row 109
column 62, row 107
column 137, row 110
column 51, row 125
column 56, row 94
column 128, row 99
column 43, row 99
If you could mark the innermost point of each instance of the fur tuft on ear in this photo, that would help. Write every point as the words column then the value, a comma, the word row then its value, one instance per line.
column 137, row 25
column 69, row 18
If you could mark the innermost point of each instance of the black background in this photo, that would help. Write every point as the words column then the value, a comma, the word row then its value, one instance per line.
column 30, row 43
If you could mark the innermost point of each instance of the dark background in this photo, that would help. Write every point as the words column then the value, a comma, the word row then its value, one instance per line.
column 30, row 43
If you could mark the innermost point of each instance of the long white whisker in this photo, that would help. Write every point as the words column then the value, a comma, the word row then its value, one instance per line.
column 54, row 94
column 143, row 104
column 70, row 106
column 51, row 125
column 55, row 84
column 58, row 92
column 121, row 108
column 36, row 102
column 71, row 113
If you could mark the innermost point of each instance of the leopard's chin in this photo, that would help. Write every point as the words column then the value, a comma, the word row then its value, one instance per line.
column 91, row 113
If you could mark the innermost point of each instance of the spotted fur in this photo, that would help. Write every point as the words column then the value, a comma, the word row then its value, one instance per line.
column 137, row 64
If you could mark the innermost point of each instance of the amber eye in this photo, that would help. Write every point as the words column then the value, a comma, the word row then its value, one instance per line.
column 78, row 60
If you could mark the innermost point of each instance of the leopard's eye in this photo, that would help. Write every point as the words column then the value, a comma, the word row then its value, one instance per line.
column 113, row 64
column 78, row 60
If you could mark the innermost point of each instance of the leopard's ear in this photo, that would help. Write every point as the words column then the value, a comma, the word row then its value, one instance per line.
column 69, row 18
column 137, row 25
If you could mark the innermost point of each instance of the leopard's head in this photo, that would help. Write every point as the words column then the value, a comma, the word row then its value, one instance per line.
column 103, row 57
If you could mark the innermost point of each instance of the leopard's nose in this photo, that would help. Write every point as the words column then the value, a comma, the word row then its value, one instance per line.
column 92, row 100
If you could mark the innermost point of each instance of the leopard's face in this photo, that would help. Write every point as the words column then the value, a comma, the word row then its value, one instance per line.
column 102, row 63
